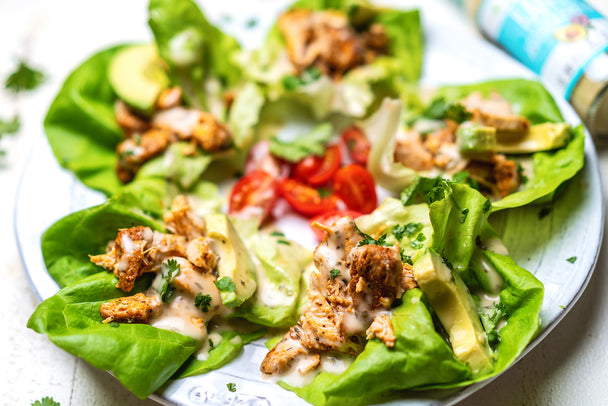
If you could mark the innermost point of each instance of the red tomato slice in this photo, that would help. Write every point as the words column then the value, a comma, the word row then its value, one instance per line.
column 357, row 144
column 260, row 158
column 329, row 218
column 354, row 185
column 306, row 200
column 254, row 195
column 315, row 170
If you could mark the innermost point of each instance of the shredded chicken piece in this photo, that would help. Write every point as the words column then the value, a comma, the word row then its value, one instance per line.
column 131, row 309
column 326, row 40
column 210, row 134
column 495, row 111
column 135, row 151
column 199, row 252
column 382, row 328
column 128, row 120
column 410, row 151
column 511, row 123
column 351, row 286
column 506, row 175
column 169, row 98
column 182, row 220
column 138, row 250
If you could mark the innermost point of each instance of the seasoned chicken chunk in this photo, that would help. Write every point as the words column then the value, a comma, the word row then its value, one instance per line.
column 494, row 111
column 506, row 175
column 510, row 123
column 128, row 120
column 131, row 309
column 199, row 252
column 135, row 151
column 326, row 40
column 182, row 220
column 351, row 287
column 410, row 151
column 138, row 250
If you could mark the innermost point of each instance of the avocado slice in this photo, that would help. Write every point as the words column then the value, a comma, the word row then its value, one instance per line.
column 234, row 260
column 454, row 306
column 540, row 137
column 476, row 138
column 137, row 76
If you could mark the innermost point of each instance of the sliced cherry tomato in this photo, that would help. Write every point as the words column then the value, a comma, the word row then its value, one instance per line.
column 316, row 170
column 354, row 185
column 329, row 218
column 254, row 195
column 357, row 144
column 306, row 200
column 260, row 158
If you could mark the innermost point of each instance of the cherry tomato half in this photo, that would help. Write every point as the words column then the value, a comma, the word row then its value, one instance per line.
column 357, row 144
column 254, row 195
column 306, row 200
column 329, row 218
column 354, row 185
column 316, row 170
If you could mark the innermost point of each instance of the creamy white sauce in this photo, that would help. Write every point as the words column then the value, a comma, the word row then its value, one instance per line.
column 495, row 281
column 203, row 353
column 269, row 293
column 182, row 317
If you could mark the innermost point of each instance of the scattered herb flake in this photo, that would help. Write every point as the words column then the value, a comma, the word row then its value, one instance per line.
column 544, row 212
column 463, row 218
column 170, row 269
column 334, row 273
column 277, row 234
column 406, row 258
column 284, row 242
column 202, row 301
column 408, row 230
column 252, row 22
column 416, row 245
column 324, row 192
column 420, row 237
column 561, row 306
column 231, row 387
column 292, row 82
column 46, row 401
column 24, row 78
column 225, row 284
column 571, row 260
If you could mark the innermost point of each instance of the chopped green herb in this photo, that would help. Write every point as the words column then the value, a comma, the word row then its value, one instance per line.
column 406, row 258
column 292, row 82
column 561, row 306
column 442, row 109
column 170, row 269
column 408, row 230
column 369, row 240
column 252, row 22
column 225, row 284
column 487, row 206
column 24, row 78
column 277, row 234
column 46, row 401
column 114, row 324
column 463, row 218
column 420, row 237
column 334, row 273
column 284, row 242
column 416, row 245
column 231, row 387
column 436, row 193
column 9, row 127
column 544, row 212
column 312, row 143
column 571, row 260
column 324, row 192
column 202, row 301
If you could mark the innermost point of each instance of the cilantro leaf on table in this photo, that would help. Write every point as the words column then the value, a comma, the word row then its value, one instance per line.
column 24, row 78
column 312, row 143
column 46, row 401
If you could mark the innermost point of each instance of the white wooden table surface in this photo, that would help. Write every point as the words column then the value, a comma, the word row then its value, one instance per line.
column 567, row 368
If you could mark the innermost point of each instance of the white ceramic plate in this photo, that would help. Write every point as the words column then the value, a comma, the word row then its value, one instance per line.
column 572, row 229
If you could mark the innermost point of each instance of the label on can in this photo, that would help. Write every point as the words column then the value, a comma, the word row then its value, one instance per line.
column 558, row 39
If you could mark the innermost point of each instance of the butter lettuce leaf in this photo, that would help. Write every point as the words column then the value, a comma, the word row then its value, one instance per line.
column 141, row 357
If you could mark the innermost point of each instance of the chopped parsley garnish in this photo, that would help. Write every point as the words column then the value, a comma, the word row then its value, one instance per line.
column 309, row 75
column 202, row 301
column 252, row 22
column 416, row 245
column 487, row 206
column 571, row 260
column 369, row 240
column 334, row 273
column 46, row 401
column 170, row 269
column 406, row 258
column 463, row 217
column 231, row 387
column 490, row 321
column 284, row 242
column 408, row 230
column 277, row 234
column 225, row 284
column 312, row 143
column 544, row 212
column 443, row 109
column 435, row 194
column 324, row 192
column 24, row 78
column 561, row 306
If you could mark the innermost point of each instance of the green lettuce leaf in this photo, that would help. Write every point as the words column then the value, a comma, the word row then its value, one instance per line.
column 361, row 87
column 141, row 357
column 195, row 50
